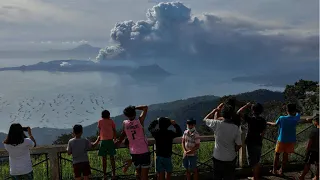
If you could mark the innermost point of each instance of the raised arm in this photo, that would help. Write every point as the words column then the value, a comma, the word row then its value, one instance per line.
column 240, row 111
column 143, row 114
column 178, row 132
column 152, row 127
column 31, row 137
column 213, row 113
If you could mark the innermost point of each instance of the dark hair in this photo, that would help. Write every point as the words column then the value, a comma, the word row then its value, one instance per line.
column 191, row 121
column 227, row 112
column 105, row 114
column 77, row 129
column 130, row 111
column 257, row 109
column 231, row 101
column 164, row 123
column 291, row 108
column 16, row 135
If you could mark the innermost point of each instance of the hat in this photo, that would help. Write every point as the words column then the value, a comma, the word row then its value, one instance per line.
column 191, row 121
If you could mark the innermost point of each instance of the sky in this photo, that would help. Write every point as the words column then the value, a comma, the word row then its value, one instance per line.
column 47, row 24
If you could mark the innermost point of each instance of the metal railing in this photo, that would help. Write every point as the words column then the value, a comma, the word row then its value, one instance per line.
column 55, row 164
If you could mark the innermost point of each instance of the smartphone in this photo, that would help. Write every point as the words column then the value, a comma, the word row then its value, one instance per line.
column 25, row 129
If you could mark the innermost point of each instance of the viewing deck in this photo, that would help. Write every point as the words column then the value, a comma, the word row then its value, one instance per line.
column 52, row 162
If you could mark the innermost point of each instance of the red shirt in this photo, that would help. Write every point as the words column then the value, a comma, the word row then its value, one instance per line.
column 106, row 128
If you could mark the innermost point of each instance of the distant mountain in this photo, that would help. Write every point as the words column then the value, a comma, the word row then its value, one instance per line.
column 83, row 51
column 153, row 73
column 180, row 110
column 281, row 78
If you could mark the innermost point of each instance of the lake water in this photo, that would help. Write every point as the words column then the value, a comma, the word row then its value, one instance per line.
column 44, row 99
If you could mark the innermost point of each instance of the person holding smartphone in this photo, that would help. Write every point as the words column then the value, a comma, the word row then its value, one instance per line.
column 18, row 146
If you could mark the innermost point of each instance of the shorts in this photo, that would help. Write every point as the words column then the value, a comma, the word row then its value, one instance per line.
column 312, row 157
column 224, row 169
column 82, row 168
column 141, row 160
column 190, row 162
column 106, row 148
column 284, row 147
column 254, row 154
column 163, row 164
column 28, row 176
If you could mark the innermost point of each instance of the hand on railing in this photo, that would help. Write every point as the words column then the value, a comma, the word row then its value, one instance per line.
column 96, row 142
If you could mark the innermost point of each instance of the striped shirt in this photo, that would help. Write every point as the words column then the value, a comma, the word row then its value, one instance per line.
column 191, row 140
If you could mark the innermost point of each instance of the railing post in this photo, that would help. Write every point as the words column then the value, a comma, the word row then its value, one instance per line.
column 54, row 164
column 243, row 150
column 155, row 159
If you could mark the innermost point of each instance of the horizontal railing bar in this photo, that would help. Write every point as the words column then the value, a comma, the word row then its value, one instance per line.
column 34, row 165
column 62, row 148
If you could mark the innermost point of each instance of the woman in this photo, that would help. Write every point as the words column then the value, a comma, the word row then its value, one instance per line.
column 18, row 146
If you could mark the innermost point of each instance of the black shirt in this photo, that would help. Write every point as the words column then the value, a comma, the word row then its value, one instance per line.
column 164, row 139
column 314, row 138
column 256, row 126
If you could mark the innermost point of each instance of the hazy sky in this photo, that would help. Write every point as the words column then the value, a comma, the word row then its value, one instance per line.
column 45, row 24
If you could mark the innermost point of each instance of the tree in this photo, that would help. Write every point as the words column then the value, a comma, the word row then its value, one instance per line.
column 305, row 93
column 63, row 139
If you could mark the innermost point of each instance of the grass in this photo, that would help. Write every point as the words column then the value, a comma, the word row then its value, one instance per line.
column 205, row 153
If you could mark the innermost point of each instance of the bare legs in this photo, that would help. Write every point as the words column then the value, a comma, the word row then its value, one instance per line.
column 104, row 167
column 195, row 174
column 285, row 158
column 256, row 172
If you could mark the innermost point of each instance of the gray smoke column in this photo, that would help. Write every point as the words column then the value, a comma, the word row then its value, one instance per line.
column 165, row 28
column 170, row 31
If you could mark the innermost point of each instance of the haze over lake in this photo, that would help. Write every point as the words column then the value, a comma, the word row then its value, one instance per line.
column 22, row 92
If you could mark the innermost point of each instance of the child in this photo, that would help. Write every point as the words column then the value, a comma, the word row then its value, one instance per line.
column 138, row 144
column 78, row 147
column 107, row 133
column 164, row 138
column 287, row 137
column 312, row 150
column 256, row 128
column 190, row 145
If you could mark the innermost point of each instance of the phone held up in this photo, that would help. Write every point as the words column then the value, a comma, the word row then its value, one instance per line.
column 25, row 129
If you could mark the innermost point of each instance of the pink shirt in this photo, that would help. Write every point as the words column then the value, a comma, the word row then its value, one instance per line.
column 138, row 143
column 106, row 127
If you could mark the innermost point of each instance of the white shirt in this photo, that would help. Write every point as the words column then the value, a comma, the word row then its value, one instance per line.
column 227, row 136
column 19, row 157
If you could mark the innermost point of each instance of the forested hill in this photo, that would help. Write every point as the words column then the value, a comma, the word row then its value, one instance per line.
column 196, row 107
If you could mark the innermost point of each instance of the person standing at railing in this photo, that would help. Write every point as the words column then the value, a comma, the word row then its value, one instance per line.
column 138, row 143
column 227, row 142
column 18, row 146
column 312, row 156
column 164, row 138
column 256, row 129
column 108, row 135
column 78, row 147
column 190, row 146
column 287, row 137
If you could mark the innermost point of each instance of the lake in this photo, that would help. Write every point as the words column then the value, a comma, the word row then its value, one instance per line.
column 45, row 99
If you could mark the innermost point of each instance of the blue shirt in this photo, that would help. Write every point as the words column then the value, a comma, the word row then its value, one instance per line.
column 287, row 128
